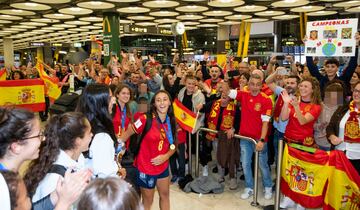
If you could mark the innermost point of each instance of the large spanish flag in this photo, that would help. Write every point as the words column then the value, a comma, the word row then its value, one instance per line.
column 344, row 184
column 3, row 74
column 184, row 117
column 26, row 93
column 51, row 87
column 304, row 176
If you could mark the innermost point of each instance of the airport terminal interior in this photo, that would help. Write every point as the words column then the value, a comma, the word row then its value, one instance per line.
column 196, row 104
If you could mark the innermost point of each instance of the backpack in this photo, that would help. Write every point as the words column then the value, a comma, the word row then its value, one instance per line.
column 135, row 142
column 65, row 103
column 58, row 169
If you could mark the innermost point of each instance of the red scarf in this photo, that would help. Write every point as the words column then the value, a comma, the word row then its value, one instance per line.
column 352, row 131
column 227, row 121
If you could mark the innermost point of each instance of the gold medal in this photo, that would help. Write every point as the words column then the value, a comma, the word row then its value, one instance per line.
column 172, row 146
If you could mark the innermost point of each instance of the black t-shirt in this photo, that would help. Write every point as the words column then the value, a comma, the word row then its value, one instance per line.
column 187, row 101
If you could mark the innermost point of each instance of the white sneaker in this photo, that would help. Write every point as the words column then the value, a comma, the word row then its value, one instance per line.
column 268, row 193
column 299, row 207
column 247, row 193
column 205, row 171
column 287, row 203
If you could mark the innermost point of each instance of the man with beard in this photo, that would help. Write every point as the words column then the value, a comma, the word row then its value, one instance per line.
column 215, row 79
column 291, row 85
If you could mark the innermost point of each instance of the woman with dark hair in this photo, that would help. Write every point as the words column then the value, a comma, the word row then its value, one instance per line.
column 20, row 139
column 334, row 96
column 96, row 103
column 109, row 194
column 17, row 74
column 122, row 115
column 343, row 130
column 354, row 80
column 171, row 84
column 68, row 135
column 156, row 147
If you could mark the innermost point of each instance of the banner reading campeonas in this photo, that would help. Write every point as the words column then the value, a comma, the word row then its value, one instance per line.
column 26, row 93
column 331, row 37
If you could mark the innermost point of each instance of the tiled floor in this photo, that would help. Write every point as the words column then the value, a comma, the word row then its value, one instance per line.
column 228, row 200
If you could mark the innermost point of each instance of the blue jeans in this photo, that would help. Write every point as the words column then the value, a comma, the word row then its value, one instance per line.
column 247, row 149
column 277, row 136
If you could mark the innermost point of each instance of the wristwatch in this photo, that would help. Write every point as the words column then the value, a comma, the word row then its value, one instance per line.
column 262, row 140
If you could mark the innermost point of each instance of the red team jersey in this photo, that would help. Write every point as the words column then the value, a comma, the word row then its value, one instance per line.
column 303, row 134
column 154, row 143
column 117, row 120
column 252, row 107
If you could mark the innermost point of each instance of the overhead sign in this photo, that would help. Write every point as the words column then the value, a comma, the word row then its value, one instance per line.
column 37, row 44
column 331, row 37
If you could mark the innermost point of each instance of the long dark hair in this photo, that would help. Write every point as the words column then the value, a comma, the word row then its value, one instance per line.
column 94, row 103
column 116, row 92
column 14, row 127
column 170, row 113
column 61, row 133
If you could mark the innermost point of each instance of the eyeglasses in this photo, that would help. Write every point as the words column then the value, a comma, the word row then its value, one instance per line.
column 356, row 91
column 40, row 136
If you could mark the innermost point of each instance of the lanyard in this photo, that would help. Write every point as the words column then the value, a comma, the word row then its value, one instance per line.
column 2, row 167
column 123, row 116
column 168, row 131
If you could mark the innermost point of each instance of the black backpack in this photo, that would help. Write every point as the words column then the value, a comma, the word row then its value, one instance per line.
column 58, row 169
column 65, row 103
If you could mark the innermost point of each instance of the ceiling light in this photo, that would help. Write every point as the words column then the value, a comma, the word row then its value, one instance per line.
column 250, row 8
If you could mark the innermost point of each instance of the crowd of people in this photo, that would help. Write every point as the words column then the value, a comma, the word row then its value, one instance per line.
column 127, row 105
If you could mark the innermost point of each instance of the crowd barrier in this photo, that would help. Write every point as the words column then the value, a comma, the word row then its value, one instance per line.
column 341, row 176
column 255, row 195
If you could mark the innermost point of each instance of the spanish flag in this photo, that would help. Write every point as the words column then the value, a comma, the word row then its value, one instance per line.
column 304, row 176
column 3, row 74
column 26, row 93
column 343, row 190
column 184, row 116
column 51, row 87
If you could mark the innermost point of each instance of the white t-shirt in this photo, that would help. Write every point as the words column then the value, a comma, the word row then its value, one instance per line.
column 102, row 154
column 48, row 184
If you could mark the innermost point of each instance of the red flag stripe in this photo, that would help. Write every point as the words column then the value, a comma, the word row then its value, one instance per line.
column 180, row 105
column 321, row 157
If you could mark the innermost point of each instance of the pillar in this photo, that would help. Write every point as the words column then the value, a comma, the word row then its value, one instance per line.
column 8, row 52
column 222, row 37
column 40, row 53
column 48, row 58
column 111, row 39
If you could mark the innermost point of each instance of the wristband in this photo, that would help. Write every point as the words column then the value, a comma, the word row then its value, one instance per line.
column 262, row 140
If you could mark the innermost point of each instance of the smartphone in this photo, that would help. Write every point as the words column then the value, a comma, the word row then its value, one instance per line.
column 233, row 73
column 284, row 71
column 280, row 57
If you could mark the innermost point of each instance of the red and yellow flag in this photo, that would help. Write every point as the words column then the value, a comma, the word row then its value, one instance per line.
column 51, row 87
column 304, row 176
column 26, row 93
column 343, row 191
column 3, row 74
column 184, row 116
